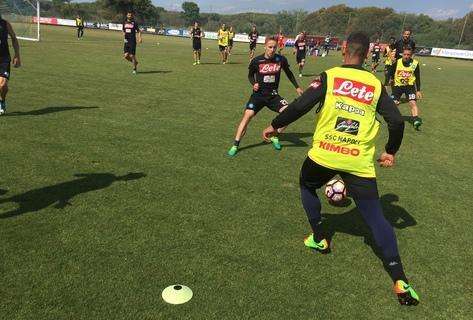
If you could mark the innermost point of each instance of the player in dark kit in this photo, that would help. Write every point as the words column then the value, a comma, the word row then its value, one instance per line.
column 130, row 29
column 253, row 36
column 5, row 58
column 375, row 56
column 327, row 41
column 405, row 42
column 80, row 27
column 196, row 34
column 264, row 75
column 349, row 94
column 300, row 50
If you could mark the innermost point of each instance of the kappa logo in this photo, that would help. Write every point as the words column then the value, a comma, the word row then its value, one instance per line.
column 353, row 89
column 315, row 84
column 269, row 68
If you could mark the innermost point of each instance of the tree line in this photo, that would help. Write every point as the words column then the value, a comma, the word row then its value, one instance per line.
column 337, row 20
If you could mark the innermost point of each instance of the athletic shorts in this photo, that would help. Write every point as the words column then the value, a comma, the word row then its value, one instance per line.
column 252, row 45
column 375, row 58
column 5, row 70
column 258, row 101
column 409, row 91
column 196, row 45
column 313, row 176
column 129, row 48
column 222, row 48
column 300, row 56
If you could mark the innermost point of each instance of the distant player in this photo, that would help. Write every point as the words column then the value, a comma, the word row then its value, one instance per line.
column 5, row 59
column 344, row 144
column 375, row 56
column 300, row 50
column 130, row 29
column 281, row 41
column 223, row 37
column 390, row 58
column 327, row 41
column 231, row 35
column 80, row 27
column 253, row 37
column 196, row 34
column 406, row 75
column 264, row 75
column 405, row 41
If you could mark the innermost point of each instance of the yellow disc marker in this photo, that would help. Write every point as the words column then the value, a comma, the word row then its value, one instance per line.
column 177, row 294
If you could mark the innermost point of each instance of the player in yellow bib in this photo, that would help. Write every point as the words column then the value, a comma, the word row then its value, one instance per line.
column 390, row 57
column 223, row 37
column 344, row 144
column 406, row 76
column 80, row 27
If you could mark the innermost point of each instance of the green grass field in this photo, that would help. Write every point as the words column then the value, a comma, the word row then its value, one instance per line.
column 87, row 243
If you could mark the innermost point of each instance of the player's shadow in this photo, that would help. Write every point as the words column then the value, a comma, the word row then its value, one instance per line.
column 209, row 63
column 310, row 74
column 352, row 223
column 47, row 110
column 61, row 194
column 154, row 71
column 295, row 138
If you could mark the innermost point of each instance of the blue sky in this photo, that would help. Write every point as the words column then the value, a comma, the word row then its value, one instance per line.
column 437, row 9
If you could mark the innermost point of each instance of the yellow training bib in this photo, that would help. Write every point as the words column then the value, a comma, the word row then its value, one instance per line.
column 390, row 56
column 223, row 37
column 405, row 76
column 346, row 127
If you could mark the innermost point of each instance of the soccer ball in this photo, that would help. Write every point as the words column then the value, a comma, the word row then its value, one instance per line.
column 335, row 190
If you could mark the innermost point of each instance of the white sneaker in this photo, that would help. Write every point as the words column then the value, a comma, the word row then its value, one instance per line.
column 134, row 72
column 300, row 75
column 2, row 112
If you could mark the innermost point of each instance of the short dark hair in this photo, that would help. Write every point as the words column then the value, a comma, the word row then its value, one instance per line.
column 407, row 48
column 270, row 39
column 392, row 38
column 408, row 29
column 358, row 44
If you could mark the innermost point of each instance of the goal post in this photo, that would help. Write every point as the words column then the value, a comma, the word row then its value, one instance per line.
column 24, row 16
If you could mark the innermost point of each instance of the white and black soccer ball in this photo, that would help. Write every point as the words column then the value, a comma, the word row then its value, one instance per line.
column 335, row 190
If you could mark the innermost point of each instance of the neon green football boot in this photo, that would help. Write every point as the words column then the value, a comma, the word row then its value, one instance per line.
column 275, row 142
column 233, row 151
column 405, row 294
column 322, row 246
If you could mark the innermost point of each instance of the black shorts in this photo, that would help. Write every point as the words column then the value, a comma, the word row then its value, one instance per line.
column 230, row 43
column 258, row 101
column 409, row 91
column 196, row 45
column 375, row 58
column 252, row 46
column 313, row 176
column 222, row 48
column 5, row 70
column 300, row 56
column 129, row 48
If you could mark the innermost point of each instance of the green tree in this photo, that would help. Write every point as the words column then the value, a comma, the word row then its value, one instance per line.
column 191, row 12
